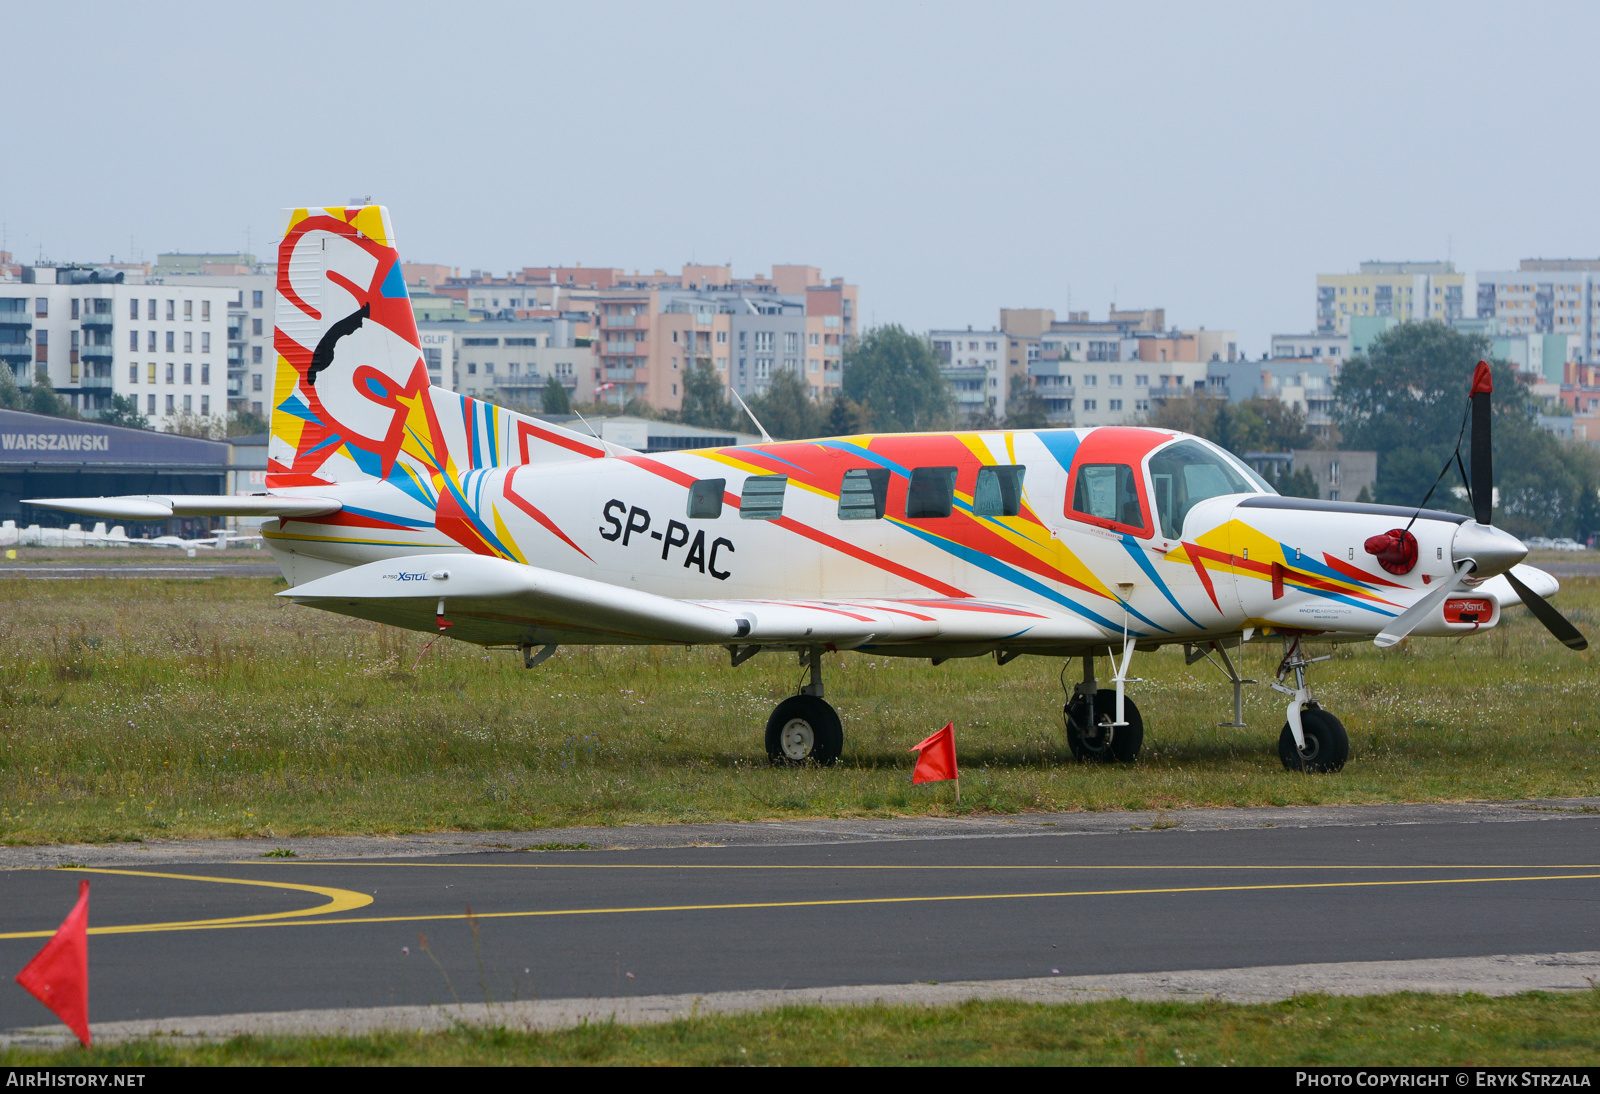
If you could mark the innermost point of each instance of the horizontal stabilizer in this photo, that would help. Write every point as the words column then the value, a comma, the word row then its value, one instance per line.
column 163, row 506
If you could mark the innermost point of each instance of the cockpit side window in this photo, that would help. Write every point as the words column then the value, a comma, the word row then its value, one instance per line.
column 1186, row 473
column 1108, row 492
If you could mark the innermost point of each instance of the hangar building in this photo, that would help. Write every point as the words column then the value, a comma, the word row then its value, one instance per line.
column 45, row 457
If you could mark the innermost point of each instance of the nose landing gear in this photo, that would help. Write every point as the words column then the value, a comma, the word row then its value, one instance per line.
column 1312, row 739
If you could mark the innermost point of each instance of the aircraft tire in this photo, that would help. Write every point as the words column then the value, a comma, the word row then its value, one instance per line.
column 1327, row 743
column 1125, row 741
column 804, row 728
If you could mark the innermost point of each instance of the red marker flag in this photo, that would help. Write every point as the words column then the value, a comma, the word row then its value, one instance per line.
column 58, row 975
column 937, row 761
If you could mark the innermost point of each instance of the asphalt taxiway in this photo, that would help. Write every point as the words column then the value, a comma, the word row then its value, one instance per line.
column 821, row 907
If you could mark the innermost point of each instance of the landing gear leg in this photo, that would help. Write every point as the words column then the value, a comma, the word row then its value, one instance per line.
column 1312, row 739
column 1191, row 654
column 804, row 727
column 1103, row 724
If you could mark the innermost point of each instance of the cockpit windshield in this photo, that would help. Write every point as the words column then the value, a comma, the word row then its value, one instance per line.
column 1188, row 472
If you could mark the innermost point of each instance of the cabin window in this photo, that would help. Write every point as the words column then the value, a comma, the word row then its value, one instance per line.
column 999, row 491
column 864, row 493
column 705, row 499
column 1106, row 491
column 1186, row 473
column 763, row 497
column 931, row 493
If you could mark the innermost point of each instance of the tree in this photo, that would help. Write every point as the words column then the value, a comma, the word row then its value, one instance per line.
column 1258, row 424
column 1299, row 483
column 1406, row 398
column 1195, row 414
column 705, row 399
column 1026, row 410
column 982, row 418
column 786, row 407
column 124, row 411
column 896, row 374
column 186, row 423
column 845, row 417
column 553, row 399
column 247, row 423
column 11, row 397
column 42, row 398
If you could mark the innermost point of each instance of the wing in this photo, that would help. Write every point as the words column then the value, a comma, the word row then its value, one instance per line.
column 494, row 601
column 163, row 506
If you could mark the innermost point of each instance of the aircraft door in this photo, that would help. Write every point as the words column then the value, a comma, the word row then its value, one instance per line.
column 1194, row 491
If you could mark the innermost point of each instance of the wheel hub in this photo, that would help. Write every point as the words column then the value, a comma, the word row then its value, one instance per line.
column 798, row 739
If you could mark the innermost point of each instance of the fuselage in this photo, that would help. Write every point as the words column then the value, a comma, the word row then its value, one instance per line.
column 1138, row 531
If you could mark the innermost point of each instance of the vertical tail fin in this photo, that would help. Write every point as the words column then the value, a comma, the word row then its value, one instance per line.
column 350, row 368
column 352, row 401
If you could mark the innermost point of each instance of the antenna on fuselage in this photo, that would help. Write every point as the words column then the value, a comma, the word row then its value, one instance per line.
column 764, row 434
column 605, row 445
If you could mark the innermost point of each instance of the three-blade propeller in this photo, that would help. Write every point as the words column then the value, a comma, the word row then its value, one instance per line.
column 1482, row 490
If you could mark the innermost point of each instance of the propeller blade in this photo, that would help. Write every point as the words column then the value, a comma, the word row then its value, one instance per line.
column 1482, row 455
column 1404, row 623
column 1554, row 621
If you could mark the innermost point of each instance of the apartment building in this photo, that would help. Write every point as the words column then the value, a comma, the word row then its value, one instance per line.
column 650, row 337
column 95, row 336
column 1404, row 290
column 1109, row 391
column 508, row 361
column 1544, row 297
column 1322, row 348
column 791, row 318
column 974, row 362
column 1110, row 371
column 249, row 286
column 1303, row 383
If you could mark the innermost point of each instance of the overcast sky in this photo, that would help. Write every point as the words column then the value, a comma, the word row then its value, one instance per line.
column 951, row 159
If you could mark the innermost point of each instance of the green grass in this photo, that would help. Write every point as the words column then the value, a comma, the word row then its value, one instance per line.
column 134, row 709
column 1536, row 1029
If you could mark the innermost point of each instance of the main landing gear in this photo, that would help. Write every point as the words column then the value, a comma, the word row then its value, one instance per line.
column 804, row 727
column 1103, row 724
column 1312, row 739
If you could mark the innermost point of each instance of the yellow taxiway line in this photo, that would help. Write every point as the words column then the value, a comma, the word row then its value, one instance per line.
column 301, row 918
column 339, row 900
column 895, row 866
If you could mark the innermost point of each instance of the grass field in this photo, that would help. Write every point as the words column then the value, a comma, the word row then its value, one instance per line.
column 134, row 709
column 1412, row 1030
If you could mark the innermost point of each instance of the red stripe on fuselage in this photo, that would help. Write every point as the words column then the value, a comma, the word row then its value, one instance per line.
column 526, row 429
column 528, row 508
column 1355, row 573
column 1264, row 570
column 867, row 556
column 1205, row 575
column 683, row 478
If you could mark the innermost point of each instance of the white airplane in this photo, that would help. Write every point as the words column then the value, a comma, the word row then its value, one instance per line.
column 411, row 505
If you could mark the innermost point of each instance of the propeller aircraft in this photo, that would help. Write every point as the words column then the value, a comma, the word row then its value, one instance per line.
column 397, row 501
